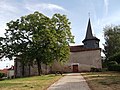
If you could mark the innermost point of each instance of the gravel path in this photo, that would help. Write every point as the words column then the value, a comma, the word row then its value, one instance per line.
column 72, row 81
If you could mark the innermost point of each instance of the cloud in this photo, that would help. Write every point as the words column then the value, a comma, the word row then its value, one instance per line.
column 106, row 3
column 44, row 6
column 53, row 7
column 9, row 7
column 114, row 19
column 8, row 11
column 100, row 23
column 12, row 9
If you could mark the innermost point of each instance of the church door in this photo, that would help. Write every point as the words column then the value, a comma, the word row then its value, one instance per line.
column 75, row 68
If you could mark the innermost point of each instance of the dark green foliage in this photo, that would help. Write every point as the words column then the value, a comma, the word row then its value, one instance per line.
column 93, row 69
column 113, row 66
column 2, row 75
column 112, row 40
column 112, row 63
column 112, row 45
column 104, row 64
column 115, row 57
column 98, row 69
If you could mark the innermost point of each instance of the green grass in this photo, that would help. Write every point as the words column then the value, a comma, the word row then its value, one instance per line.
column 103, row 80
column 29, row 83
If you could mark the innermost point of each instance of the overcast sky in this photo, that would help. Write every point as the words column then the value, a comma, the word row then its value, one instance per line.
column 102, row 13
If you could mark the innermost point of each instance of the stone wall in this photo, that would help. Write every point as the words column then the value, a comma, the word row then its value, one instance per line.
column 30, row 70
column 84, row 59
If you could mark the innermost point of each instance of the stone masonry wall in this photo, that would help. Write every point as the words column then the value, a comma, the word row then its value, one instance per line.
column 85, row 60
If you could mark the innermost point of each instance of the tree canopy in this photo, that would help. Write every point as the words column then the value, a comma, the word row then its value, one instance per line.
column 38, row 37
column 112, row 40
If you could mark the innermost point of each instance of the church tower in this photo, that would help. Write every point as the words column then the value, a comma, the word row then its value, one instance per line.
column 90, row 41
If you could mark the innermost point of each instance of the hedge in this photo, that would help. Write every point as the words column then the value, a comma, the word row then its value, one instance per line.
column 114, row 67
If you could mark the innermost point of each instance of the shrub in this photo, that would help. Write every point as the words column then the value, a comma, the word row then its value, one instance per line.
column 112, row 63
column 104, row 69
column 104, row 64
column 1, row 75
column 115, row 57
column 114, row 67
column 93, row 69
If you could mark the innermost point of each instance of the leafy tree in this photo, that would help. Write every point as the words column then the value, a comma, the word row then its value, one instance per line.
column 64, row 36
column 37, row 37
column 112, row 41
column 16, row 42
column 115, row 57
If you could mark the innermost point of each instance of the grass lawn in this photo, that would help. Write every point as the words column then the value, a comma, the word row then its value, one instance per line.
column 29, row 83
column 103, row 80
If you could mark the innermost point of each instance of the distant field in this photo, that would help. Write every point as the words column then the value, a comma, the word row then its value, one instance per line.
column 103, row 80
column 29, row 83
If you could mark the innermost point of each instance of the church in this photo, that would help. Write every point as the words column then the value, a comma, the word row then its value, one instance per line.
column 82, row 58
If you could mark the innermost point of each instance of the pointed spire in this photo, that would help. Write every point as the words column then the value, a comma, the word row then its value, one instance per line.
column 90, row 41
column 89, row 34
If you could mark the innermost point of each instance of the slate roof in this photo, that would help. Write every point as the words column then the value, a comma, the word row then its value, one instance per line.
column 80, row 48
column 89, row 34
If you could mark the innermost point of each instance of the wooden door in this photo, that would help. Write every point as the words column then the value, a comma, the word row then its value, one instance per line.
column 75, row 68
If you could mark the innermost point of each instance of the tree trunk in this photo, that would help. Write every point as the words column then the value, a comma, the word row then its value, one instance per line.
column 29, row 70
column 23, row 70
column 51, row 69
column 15, row 68
column 39, row 67
column 46, row 69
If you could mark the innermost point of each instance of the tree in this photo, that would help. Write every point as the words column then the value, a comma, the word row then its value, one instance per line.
column 112, row 40
column 115, row 57
column 17, row 41
column 38, row 37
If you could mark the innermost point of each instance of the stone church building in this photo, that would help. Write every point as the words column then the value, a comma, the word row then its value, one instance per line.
column 82, row 58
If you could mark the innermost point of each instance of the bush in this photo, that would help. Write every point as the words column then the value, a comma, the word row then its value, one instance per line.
column 1, row 75
column 112, row 63
column 114, row 67
column 104, row 64
column 104, row 69
column 115, row 57
column 93, row 69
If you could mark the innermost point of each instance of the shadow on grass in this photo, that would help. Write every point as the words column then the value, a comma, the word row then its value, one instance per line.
column 109, row 83
column 103, row 78
column 9, row 84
